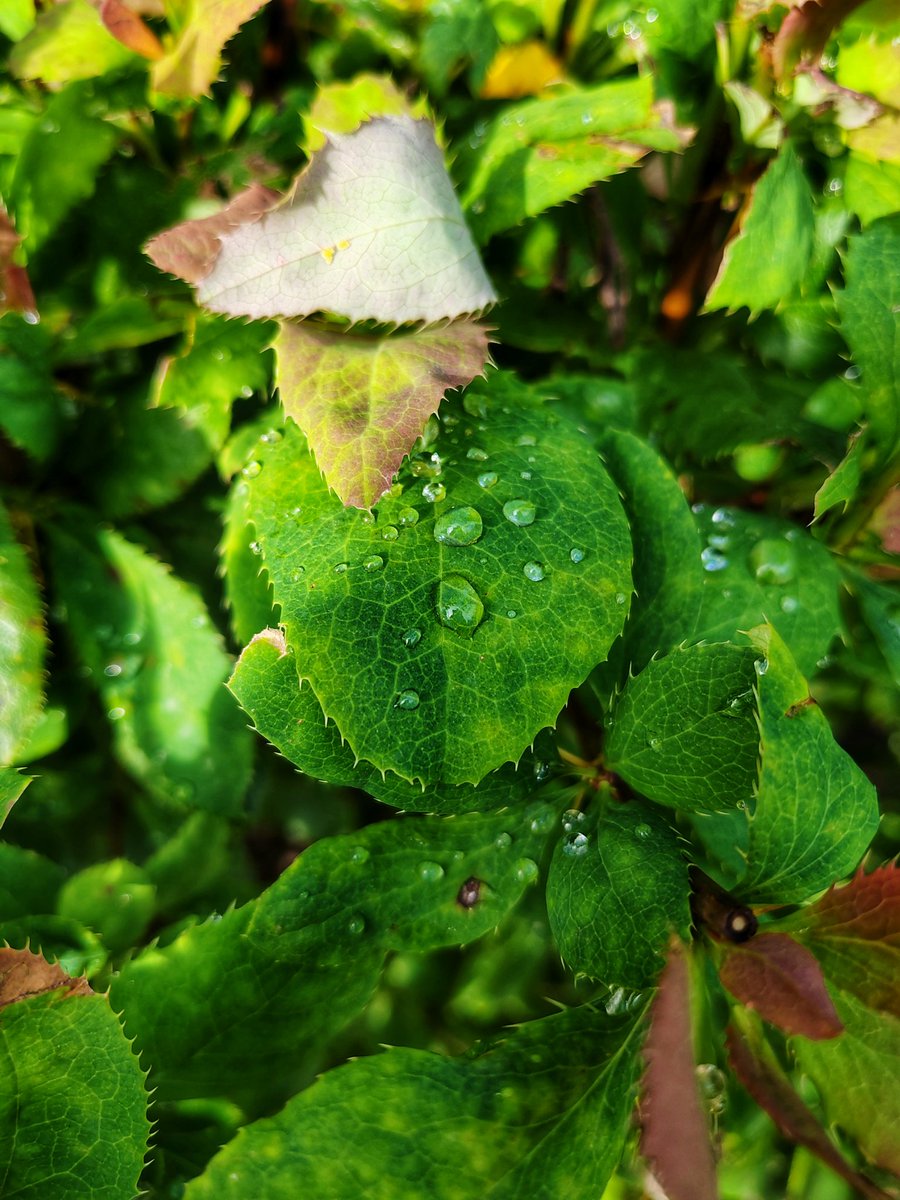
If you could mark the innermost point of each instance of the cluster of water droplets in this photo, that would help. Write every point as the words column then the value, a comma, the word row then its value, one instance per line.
column 772, row 560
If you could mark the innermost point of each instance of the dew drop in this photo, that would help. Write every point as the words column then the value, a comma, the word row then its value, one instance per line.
column 642, row 831
column 434, row 492
column 116, row 714
column 575, row 844
column 789, row 604
column 526, row 870
column 511, row 613
column 571, row 819
column 112, row 670
column 576, row 554
column 459, row 606
column 476, row 454
column 340, row 568
column 773, row 561
column 431, row 872
column 533, row 571
column 503, row 841
column 526, row 475
column 527, row 439
column 255, row 548
column 407, row 700
column 374, row 563
column 251, row 470
column 724, row 518
column 761, row 666
column 621, row 597
column 654, row 743
column 407, row 517
column 297, row 574
column 713, row 560
column 473, row 403
column 487, row 479
column 520, row 512
column 412, row 637
column 390, row 533
column 543, row 821
column 359, row 854
column 356, row 924
column 458, row 527
column 542, row 770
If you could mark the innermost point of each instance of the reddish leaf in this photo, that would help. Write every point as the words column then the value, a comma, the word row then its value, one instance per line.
column 854, row 932
column 127, row 27
column 783, row 981
column 804, row 33
column 15, row 289
column 675, row 1132
column 772, row 1091
column 23, row 974
column 189, row 250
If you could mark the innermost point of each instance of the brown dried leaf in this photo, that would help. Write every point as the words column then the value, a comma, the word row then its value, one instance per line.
column 127, row 27
column 674, row 1130
column 23, row 974
column 15, row 287
column 783, row 981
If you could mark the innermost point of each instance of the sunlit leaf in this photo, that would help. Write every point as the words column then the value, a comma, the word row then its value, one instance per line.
column 193, row 55
column 23, row 644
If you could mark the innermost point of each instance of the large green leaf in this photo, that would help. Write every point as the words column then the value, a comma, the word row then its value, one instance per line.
column 541, row 152
column 371, row 229
column 856, row 1076
column 617, row 890
column 363, row 401
column 159, row 666
column 760, row 568
column 540, row 1113
column 23, row 644
column 266, row 684
column 486, row 585
column 880, row 604
column 305, row 956
column 68, row 42
column 767, row 260
column 12, row 785
column 73, row 1110
column 115, row 899
column 668, row 574
column 58, row 163
column 815, row 810
column 868, row 312
column 31, row 408
column 684, row 731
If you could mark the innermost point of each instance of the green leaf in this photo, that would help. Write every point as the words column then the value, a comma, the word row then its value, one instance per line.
column 193, row 55
column 266, row 684
column 30, row 405
column 73, row 1110
column 815, row 811
column 880, row 606
column 842, row 484
column 542, row 152
column 115, row 899
column 668, row 575
column 222, row 362
column 29, row 882
column 617, row 890
column 16, row 18
column 341, row 107
column 74, row 948
column 767, row 261
column 541, row 1112
column 247, row 587
column 185, row 866
column 459, row 33
column 871, row 187
column 371, row 229
column 760, row 568
column 58, row 163
column 363, row 401
column 868, row 310
column 68, row 42
column 12, row 784
column 500, row 595
column 160, row 668
column 856, row 1075
column 684, row 731
column 23, row 644
column 305, row 956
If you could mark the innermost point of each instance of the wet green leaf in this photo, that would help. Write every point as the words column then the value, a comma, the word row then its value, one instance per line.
column 266, row 683
column 759, row 568
column 815, row 811
column 87, row 1137
column 540, row 1112
column 516, row 585
column 159, row 667
column 617, row 890
column 684, row 731
column 23, row 644
column 115, row 899
column 542, row 152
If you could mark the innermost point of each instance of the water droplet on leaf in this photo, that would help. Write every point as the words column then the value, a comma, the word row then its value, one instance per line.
column 374, row 563
column 459, row 606
column 773, row 561
column 340, row 568
column 487, row 479
column 356, row 924
column 476, row 454
column 251, row 470
column 502, row 841
column 533, row 571
column 575, row 844
column 458, row 527
column 431, row 872
column 407, row 517
column 390, row 533
column 713, row 560
column 526, row 870
column 434, row 492
column 520, row 512
column 642, row 831
column 407, row 700
column 412, row 637
column 576, row 554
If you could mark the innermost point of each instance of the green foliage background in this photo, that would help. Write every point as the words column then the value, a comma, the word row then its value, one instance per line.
column 614, row 658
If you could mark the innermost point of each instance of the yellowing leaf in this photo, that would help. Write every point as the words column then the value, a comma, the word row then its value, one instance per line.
column 342, row 107
column 522, row 70
column 362, row 402
column 372, row 229
column 195, row 55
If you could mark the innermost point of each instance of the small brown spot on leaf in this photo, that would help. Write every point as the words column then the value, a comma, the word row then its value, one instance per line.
column 23, row 974
column 470, row 893
column 799, row 706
